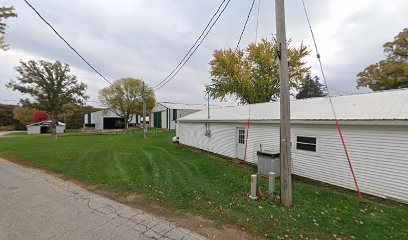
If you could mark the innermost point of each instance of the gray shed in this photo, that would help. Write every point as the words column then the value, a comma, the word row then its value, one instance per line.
column 44, row 127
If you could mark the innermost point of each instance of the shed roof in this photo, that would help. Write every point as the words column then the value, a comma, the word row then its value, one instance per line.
column 44, row 123
column 384, row 105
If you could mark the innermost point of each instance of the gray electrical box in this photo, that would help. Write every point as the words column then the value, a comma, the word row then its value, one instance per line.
column 268, row 161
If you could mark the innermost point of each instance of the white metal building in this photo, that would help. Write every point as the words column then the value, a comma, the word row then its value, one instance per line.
column 165, row 114
column 44, row 127
column 374, row 125
column 107, row 119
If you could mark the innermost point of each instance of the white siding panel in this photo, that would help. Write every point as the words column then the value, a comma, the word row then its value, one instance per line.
column 379, row 154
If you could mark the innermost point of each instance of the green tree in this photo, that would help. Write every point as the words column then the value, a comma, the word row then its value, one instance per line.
column 124, row 98
column 310, row 87
column 5, row 12
column 252, row 74
column 392, row 72
column 50, row 85
column 23, row 115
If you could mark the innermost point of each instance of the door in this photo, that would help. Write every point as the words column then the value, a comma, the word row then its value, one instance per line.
column 157, row 120
column 240, row 144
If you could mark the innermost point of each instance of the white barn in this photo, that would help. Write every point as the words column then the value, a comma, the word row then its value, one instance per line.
column 44, row 127
column 374, row 125
column 165, row 114
column 107, row 119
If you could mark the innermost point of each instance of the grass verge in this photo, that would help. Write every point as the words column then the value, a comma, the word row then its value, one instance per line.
column 182, row 178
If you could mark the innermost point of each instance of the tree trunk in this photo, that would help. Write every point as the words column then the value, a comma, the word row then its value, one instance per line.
column 126, row 125
column 53, row 124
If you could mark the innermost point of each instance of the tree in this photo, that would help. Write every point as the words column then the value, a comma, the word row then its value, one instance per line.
column 5, row 12
column 23, row 115
column 7, row 120
column 39, row 116
column 310, row 87
column 50, row 85
column 392, row 72
column 124, row 98
column 252, row 75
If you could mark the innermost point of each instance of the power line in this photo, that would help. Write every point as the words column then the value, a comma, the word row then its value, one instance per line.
column 69, row 45
column 246, row 22
column 257, row 21
column 191, row 48
column 164, row 81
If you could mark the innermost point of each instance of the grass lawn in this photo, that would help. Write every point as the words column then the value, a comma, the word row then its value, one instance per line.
column 182, row 178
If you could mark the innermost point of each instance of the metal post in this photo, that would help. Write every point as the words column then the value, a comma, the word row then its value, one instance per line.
column 144, row 111
column 285, row 144
column 253, row 187
column 271, row 186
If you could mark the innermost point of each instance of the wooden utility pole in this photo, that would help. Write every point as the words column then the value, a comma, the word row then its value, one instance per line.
column 285, row 141
column 144, row 111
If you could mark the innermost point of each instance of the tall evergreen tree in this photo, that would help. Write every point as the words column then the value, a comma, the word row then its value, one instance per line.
column 311, row 87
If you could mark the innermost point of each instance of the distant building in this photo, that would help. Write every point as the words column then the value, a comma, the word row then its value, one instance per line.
column 44, row 127
column 374, row 125
column 165, row 114
column 107, row 119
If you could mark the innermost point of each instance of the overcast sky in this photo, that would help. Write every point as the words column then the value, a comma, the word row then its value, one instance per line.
column 147, row 38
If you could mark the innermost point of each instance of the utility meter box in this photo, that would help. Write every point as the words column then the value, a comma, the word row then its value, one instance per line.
column 268, row 161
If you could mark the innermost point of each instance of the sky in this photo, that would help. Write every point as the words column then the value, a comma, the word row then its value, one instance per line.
column 146, row 39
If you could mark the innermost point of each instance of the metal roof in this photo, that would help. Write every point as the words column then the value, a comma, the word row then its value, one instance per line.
column 184, row 106
column 45, row 123
column 384, row 105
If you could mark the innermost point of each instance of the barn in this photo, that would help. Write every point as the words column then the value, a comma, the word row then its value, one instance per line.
column 44, row 127
column 374, row 125
column 165, row 114
column 107, row 119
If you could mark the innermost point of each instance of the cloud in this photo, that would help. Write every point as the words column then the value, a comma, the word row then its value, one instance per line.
column 147, row 39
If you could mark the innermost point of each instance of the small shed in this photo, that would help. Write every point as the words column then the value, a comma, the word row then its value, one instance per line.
column 374, row 126
column 44, row 127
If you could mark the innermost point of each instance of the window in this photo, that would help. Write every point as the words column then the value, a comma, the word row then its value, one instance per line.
column 241, row 136
column 306, row 143
column 174, row 114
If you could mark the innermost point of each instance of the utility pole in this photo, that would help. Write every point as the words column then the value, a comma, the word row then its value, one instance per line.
column 285, row 138
column 144, row 111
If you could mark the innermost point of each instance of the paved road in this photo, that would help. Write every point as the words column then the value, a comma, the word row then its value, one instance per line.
column 35, row 205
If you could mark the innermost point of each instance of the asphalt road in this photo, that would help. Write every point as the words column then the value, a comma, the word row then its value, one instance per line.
column 35, row 205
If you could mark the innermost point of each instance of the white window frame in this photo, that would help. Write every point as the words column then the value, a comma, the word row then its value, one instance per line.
column 317, row 153
column 238, row 130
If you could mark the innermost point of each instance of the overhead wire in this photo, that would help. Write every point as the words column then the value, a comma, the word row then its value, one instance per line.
column 168, row 79
column 246, row 22
column 195, row 43
column 360, row 196
column 66, row 42
column 257, row 22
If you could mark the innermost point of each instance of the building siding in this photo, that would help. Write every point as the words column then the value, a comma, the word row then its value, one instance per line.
column 378, row 153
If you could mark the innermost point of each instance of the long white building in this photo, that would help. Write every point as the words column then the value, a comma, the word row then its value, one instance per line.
column 107, row 119
column 374, row 125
